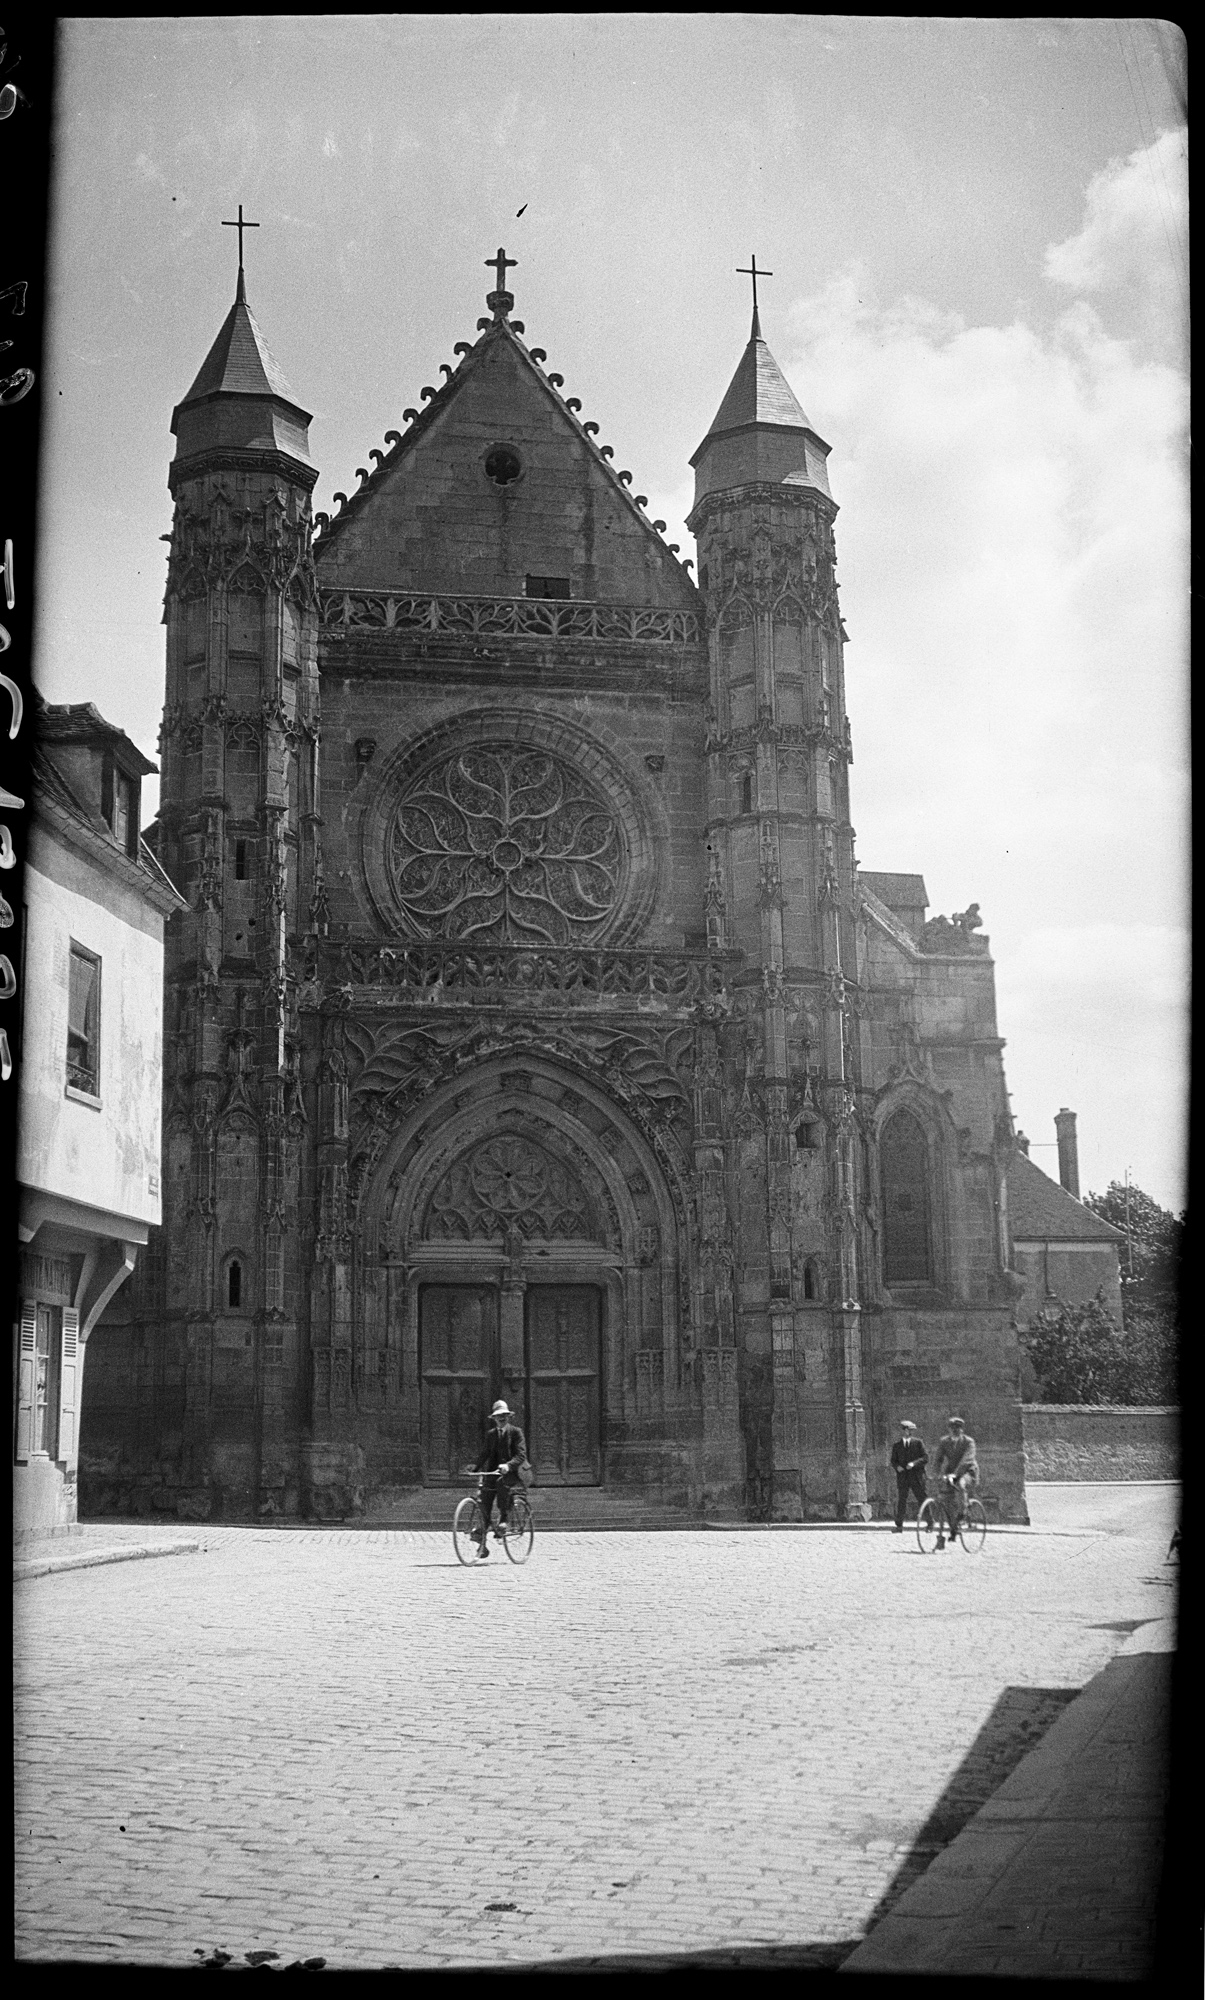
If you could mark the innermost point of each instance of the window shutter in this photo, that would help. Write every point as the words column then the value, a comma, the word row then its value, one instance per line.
column 27, row 1351
column 69, row 1384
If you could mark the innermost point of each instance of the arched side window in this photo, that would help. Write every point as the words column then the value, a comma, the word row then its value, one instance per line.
column 907, row 1202
column 232, row 1289
column 811, row 1289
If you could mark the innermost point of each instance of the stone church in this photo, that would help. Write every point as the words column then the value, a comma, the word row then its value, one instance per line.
column 531, row 1029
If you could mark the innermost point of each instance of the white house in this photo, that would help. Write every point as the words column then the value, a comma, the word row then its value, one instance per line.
column 96, row 903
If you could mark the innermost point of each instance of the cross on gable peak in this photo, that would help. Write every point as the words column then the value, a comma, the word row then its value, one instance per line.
column 500, row 300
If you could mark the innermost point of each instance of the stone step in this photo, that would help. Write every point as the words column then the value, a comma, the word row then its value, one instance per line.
column 591, row 1507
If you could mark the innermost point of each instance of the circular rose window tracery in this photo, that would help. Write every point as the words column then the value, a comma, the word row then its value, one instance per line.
column 507, row 845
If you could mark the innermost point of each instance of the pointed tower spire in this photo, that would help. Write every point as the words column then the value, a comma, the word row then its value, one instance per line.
column 760, row 434
column 239, row 398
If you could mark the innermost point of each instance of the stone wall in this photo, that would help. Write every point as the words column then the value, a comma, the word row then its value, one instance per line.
column 1087, row 1441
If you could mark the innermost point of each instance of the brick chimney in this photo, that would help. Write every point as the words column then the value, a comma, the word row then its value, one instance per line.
column 1064, row 1126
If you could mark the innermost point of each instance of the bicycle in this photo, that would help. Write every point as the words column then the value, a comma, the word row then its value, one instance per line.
column 516, row 1532
column 933, row 1528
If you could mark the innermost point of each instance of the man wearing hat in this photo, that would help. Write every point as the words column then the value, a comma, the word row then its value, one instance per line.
column 908, row 1459
column 957, row 1468
column 503, row 1453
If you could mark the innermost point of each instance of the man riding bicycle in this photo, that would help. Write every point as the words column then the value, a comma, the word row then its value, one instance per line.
column 957, row 1470
column 504, row 1451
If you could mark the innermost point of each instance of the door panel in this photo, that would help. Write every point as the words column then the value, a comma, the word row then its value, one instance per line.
column 458, row 1358
column 563, row 1342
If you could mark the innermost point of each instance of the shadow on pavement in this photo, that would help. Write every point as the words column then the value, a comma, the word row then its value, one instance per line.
column 1019, row 1720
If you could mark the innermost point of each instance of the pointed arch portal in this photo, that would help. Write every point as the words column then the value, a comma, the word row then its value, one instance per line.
column 539, row 1242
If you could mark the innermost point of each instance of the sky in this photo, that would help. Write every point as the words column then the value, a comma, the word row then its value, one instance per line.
column 977, row 232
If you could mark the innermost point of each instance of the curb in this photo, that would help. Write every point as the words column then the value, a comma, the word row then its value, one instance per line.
column 1057, row 1875
column 92, row 1558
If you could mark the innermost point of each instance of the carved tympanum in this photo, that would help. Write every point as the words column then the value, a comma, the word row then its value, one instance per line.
column 505, row 844
column 508, row 1184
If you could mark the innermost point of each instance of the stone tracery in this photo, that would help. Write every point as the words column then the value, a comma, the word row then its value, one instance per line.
column 506, row 844
column 508, row 1183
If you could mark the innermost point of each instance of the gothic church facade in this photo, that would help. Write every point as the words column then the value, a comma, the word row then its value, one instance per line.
column 531, row 1029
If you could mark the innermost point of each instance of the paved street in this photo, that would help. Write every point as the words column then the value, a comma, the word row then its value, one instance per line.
column 340, row 1744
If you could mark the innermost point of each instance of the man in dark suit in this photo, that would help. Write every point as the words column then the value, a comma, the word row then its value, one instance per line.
column 908, row 1461
column 503, row 1453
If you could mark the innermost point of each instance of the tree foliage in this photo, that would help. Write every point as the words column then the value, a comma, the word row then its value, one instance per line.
column 1080, row 1354
column 1076, row 1352
column 1150, row 1264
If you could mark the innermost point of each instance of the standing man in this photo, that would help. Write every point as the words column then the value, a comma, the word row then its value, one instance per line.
column 908, row 1461
column 957, row 1470
column 500, row 1457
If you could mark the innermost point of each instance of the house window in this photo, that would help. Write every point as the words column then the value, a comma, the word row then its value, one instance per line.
column 907, row 1217
column 807, row 1137
column 747, row 792
column 83, row 1022
column 810, row 1288
column 548, row 586
column 122, row 813
column 48, row 1381
column 119, row 806
column 234, row 1283
column 45, row 1429
column 240, row 860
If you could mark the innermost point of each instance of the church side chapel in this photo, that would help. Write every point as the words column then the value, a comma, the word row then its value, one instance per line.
column 531, row 1030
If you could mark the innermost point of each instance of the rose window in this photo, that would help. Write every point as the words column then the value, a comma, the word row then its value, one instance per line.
column 508, row 845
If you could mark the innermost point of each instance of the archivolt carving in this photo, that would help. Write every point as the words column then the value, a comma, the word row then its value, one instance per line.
column 508, row 1183
column 508, row 845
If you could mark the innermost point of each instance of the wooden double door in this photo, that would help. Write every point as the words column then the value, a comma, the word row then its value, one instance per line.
column 551, row 1378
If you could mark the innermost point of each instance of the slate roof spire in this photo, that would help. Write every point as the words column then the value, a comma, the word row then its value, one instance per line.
column 239, row 396
column 760, row 433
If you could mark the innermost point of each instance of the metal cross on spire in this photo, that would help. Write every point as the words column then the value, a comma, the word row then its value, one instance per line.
column 240, row 225
column 750, row 270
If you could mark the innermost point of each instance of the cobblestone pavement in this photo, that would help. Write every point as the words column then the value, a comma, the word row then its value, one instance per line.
column 335, row 1744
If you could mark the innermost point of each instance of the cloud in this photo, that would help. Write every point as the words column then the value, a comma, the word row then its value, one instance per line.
column 1131, row 243
column 146, row 169
column 1133, row 210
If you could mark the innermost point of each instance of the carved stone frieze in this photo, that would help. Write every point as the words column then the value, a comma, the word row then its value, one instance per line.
column 444, row 972
column 507, row 617
column 242, row 549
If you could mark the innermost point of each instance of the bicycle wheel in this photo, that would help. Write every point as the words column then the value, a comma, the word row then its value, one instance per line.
column 467, row 1526
column 520, row 1533
column 972, row 1529
column 930, row 1524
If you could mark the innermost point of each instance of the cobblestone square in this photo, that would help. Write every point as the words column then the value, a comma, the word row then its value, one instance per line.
column 340, row 1744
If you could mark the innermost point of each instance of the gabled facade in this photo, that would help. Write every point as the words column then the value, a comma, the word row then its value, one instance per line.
column 531, row 1030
